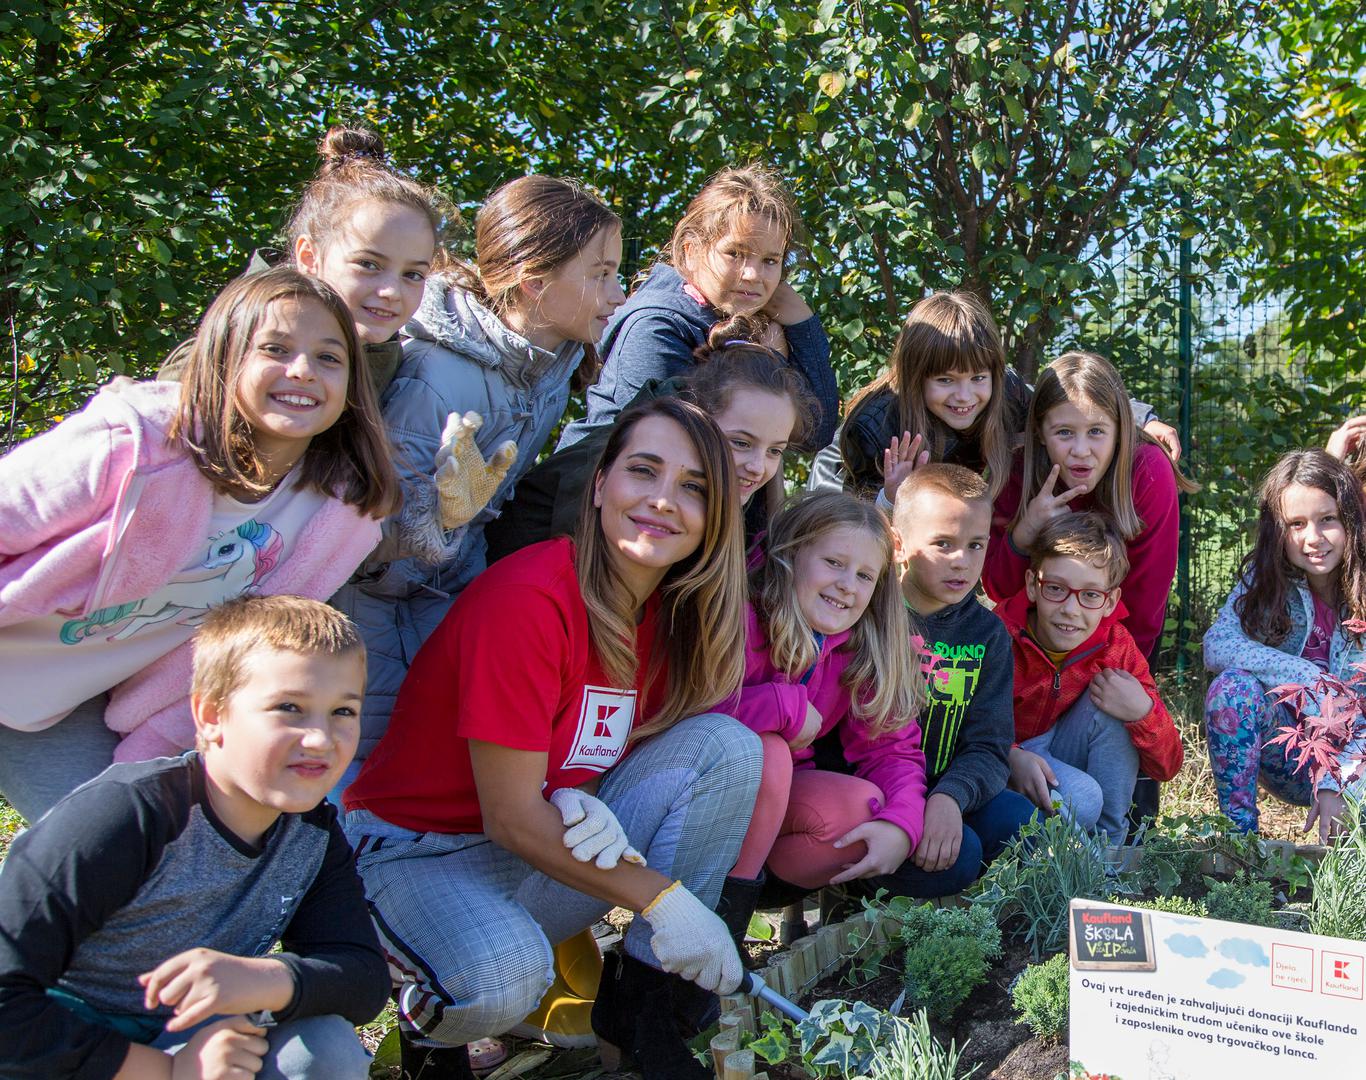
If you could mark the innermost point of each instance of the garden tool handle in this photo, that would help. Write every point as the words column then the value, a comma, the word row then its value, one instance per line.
column 754, row 986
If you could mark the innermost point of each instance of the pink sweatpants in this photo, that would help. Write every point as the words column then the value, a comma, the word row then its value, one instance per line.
column 798, row 816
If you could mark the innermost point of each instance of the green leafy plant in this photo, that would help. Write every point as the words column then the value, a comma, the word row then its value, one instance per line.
column 908, row 1051
column 1172, row 905
column 1040, row 997
column 1338, row 906
column 1029, row 885
column 840, row 1039
column 1176, row 849
column 1243, row 899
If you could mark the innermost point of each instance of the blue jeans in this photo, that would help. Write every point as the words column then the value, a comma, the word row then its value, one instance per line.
column 315, row 1048
column 40, row 768
column 986, row 831
column 1096, row 764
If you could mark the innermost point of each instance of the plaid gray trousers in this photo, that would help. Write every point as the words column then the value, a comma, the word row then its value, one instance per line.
column 468, row 926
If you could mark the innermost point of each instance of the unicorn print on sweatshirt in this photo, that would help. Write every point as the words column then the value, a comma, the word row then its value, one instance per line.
column 234, row 564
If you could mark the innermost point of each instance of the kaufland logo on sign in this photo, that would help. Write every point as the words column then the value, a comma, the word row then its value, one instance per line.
column 604, row 723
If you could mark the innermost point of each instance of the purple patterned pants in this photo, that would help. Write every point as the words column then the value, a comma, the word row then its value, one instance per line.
column 1239, row 720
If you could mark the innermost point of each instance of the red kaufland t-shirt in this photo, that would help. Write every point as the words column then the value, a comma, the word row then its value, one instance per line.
column 512, row 664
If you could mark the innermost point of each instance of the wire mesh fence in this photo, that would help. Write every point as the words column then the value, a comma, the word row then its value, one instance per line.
column 1216, row 361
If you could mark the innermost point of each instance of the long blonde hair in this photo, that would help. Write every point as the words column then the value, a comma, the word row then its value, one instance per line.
column 700, row 637
column 884, row 680
column 1088, row 379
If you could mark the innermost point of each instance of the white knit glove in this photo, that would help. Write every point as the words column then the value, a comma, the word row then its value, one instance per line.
column 690, row 940
column 464, row 481
column 591, row 829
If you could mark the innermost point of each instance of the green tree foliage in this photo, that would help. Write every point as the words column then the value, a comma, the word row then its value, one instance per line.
column 151, row 147
column 1003, row 146
column 1306, row 178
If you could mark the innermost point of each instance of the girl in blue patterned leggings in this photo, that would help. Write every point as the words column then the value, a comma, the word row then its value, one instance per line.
column 1286, row 622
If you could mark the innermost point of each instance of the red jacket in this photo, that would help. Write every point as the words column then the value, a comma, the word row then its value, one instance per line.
column 1044, row 692
column 1152, row 553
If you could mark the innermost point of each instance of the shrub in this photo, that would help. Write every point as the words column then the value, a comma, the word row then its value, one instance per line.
column 941, row 972
column 1028, row 887
column 1242, row 900
column 1338, row 906
column 1040, row 997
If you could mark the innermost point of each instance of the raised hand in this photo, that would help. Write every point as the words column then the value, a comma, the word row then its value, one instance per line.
column 1167, row 435
column 464, row 482
column 901, row 458
column 1346, row 440
column 1043, row 508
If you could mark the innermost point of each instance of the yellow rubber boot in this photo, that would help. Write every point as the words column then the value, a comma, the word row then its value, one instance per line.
column 563, row 1016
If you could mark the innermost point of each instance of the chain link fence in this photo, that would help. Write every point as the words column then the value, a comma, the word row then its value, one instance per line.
column 1216, row 363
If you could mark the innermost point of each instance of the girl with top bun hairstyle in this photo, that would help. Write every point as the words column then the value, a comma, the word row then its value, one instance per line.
column 370, row 232
column 553, row 754
column 485, row 377
column 728, row 257
column 264, row 471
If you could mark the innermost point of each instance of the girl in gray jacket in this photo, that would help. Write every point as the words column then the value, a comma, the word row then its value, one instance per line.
column 486, row 373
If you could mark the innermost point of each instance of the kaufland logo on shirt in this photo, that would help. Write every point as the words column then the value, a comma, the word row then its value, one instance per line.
column 604, row 723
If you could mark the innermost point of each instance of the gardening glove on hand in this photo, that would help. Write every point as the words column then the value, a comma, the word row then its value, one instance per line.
column 690, row 940
column 464, row 483
column 591, row 829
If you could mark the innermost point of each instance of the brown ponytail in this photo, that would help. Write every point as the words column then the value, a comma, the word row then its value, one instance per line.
column 355, row 168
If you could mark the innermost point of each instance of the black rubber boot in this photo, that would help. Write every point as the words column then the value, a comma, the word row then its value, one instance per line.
column 433, row 1062
column 739, row 898
column 647, row 1016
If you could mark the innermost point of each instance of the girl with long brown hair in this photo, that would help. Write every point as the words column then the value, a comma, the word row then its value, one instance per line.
column 264, row 471
column 486, row 372
column 1083, row 451
column 1294, row 613
column 552, row 755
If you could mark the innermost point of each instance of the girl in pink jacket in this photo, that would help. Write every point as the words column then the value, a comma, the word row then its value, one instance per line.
column 264, row 471
column 828, row 648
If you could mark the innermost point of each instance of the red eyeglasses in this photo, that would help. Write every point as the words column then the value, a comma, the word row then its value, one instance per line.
column 1055, row 592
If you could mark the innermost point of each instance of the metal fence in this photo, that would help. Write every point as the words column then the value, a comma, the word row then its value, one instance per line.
column 1215, row 363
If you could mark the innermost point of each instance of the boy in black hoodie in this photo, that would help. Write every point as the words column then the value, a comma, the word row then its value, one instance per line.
column 942, row 517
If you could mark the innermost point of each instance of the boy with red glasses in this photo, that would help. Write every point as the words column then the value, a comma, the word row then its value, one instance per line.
column 1087, row 713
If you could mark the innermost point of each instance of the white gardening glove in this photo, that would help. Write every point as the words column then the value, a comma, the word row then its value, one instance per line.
column 464, row 483
column 690, row 940
column 591, row 829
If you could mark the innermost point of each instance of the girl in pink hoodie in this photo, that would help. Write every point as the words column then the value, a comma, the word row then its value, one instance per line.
column 828, row 648
column 265, row 470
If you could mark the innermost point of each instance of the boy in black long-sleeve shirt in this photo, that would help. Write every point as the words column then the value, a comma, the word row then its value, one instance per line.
column 942, row 518
column 228, row 849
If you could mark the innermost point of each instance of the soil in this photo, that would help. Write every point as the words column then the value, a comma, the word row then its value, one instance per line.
column 996, row 1046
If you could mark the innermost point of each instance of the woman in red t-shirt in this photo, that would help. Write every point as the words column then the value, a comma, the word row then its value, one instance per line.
column 550, row 758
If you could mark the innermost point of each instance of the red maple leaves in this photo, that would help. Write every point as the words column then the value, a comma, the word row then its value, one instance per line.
column 1320, row 742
